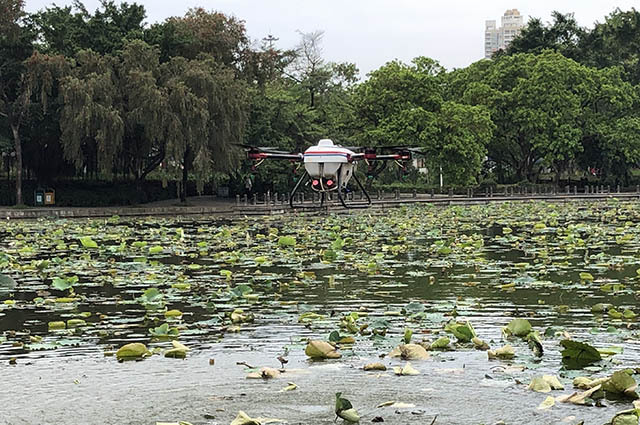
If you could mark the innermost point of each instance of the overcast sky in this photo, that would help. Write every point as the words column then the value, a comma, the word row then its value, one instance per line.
column 372, row 32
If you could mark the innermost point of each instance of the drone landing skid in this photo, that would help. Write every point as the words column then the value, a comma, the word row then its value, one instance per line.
column 355, row 204
column 323, row 195
column 292, row 195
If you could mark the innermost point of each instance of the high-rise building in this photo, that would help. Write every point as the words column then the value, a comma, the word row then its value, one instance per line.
column 499, row 38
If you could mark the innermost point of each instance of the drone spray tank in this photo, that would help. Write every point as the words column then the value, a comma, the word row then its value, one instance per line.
column 329, row 166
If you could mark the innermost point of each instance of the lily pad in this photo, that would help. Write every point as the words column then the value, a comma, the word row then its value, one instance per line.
column 406, row 370
column 518, row 327
column 577, row 355
column 410, row 352
column 317, row 349
column 133, row 350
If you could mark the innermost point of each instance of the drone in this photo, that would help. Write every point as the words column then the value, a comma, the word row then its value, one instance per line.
column 330, row 168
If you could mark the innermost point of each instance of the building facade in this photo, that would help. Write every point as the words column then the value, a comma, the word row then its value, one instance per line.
column 496, row 38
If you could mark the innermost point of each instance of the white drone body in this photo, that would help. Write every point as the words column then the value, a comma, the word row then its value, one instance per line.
column 329, row 166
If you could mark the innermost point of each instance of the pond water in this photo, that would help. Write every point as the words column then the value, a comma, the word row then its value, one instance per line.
column 73, row 291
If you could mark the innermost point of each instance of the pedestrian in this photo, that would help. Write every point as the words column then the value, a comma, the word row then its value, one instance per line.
column 248, row 184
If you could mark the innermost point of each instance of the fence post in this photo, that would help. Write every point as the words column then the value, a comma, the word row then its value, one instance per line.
column 237, row 200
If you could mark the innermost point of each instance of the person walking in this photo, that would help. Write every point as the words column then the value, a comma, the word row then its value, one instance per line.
column 248, row 184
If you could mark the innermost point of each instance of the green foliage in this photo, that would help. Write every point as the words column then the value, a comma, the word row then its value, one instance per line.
column 106, row 97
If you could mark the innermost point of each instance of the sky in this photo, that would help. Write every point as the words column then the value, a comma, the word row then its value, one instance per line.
column 370, row 33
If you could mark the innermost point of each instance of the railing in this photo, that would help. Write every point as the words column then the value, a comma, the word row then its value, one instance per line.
column 519, row 192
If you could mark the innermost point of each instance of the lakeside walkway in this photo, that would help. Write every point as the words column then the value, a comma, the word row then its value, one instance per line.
column 209, row 205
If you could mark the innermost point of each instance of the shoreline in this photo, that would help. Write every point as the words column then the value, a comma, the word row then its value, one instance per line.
column 206, row 205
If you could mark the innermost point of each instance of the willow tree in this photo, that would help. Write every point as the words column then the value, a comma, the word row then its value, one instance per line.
column 113, row 117
column 91, row 120
column 206, row 114
column 26, row 77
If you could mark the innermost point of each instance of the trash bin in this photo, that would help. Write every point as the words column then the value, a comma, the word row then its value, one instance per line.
column 38, row 197
column 223, row 191
column 50, row 197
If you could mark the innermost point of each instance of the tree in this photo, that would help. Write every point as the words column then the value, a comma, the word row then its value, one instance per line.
column 615, row 42
column 68, row 30
column 205, row 116
column 563, row 35
column 403, row 105
column 91, row 120
column 213, row 33
column 25, row 76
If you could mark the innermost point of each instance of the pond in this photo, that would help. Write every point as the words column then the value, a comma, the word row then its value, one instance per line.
column 243, row 294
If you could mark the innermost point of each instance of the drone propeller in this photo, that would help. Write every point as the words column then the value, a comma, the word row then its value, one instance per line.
column 413, row 149
column 266, row 149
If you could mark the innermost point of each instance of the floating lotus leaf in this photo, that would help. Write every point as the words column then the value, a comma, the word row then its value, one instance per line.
column 410, row 352
column 87, row 242
column 408, row 333
column 239, row 316
column 345, row 410
column 578, row 398
column 374, row 366
column 287, row 241
column 132, row 351
column 290, row 387
column 621, row 382
column 518, row 327
column 479, row 344
column 57, row 325
column 600, row 308
column 406, row 370
column 178, row 351
column 577, row 355
column 156, row 249
column 74, row 323
column 540, row 385
column 626, row 417
column 164, row 331
column 463, row 331
column 264, row 373
column 7, row 283
column 547, row 403
column 317, row 349
column 586, row 277
column 441, row 343
column 244, row 419
column 506, row 352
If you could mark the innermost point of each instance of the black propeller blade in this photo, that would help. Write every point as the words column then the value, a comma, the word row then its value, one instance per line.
column 265, row 149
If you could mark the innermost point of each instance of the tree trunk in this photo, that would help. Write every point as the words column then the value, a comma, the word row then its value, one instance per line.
column 18, row 148
column 185, row 174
